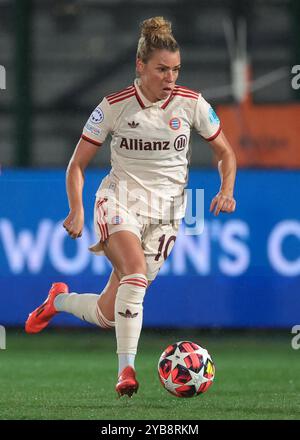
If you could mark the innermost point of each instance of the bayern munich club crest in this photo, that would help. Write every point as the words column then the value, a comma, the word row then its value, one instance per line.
column 180, row 142
column 116, row 220
column 175, row 123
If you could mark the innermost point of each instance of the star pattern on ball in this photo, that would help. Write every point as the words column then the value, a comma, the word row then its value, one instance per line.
column 170, row 385
column 182, row 372
column 196, row 379
column 204, row 353
column 177, row 358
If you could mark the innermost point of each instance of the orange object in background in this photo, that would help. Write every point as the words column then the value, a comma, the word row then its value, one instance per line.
column 263, row 135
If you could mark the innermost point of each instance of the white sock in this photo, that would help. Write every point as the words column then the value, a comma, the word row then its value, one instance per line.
column 83, row 306
column 125, row 360
column 129, row 312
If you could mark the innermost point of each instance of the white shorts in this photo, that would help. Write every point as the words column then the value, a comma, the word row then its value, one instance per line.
column 157, row 238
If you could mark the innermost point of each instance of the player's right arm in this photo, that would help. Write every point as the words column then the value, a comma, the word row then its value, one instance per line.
column 94, row 133
column 83, row 154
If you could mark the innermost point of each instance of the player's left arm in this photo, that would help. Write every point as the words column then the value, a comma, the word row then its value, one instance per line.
column 224, row 201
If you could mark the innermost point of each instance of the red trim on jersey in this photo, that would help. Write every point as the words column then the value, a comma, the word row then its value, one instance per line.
column 121, row 98
column 177, row 91
column 120, row 92
column 139, row 100
column 186, row 89
column 84, row 137
column 181, row 91
column 185, row 95
column 168, row 100
column 189, row 95
column 211, row 138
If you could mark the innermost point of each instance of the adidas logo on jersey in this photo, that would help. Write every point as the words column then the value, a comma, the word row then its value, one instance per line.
column 139, row 144
column 133, row 124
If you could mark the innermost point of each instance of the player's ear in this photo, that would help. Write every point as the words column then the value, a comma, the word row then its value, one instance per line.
column 139, row 66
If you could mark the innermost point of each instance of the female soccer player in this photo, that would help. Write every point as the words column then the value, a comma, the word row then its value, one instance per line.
column 141, row 202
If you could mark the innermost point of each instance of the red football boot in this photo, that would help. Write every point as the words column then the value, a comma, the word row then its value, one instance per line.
column 127, row 383
column 40, row 317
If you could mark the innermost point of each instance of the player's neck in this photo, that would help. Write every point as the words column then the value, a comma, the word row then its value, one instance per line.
column 147, row 93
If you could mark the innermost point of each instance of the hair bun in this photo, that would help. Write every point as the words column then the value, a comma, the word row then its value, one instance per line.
column 155, row 27
column 156, row 33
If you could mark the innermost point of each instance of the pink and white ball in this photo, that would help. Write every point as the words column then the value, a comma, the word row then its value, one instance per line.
column 185, row 369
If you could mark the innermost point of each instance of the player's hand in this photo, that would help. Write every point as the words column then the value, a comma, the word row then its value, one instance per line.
column 222, row 203
column 74, row 223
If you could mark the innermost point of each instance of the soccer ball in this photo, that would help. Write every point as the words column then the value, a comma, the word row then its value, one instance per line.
column 185, row 369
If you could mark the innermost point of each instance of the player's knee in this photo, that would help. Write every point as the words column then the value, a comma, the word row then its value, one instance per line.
column 132, row 288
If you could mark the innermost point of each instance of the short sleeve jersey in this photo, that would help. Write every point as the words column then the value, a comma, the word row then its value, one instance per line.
column 150, row 141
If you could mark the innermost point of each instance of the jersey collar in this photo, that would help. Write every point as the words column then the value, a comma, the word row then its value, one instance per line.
column 144, row 102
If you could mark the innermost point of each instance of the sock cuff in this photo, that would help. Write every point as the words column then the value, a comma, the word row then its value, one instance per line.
column 104, row 322
column 136, row 279
column 59, row 301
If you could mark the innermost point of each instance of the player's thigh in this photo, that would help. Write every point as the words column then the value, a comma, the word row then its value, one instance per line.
column 124, row 250
column 158, row 243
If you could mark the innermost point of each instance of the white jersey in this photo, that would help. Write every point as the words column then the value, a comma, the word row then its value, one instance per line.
column 150, row 142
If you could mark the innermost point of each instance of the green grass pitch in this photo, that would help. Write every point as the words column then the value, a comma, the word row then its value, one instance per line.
column 72, row 374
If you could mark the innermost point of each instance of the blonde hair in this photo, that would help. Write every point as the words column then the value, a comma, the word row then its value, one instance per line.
column 156, row 33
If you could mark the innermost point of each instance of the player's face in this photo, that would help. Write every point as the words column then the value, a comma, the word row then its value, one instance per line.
column 158, row 76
